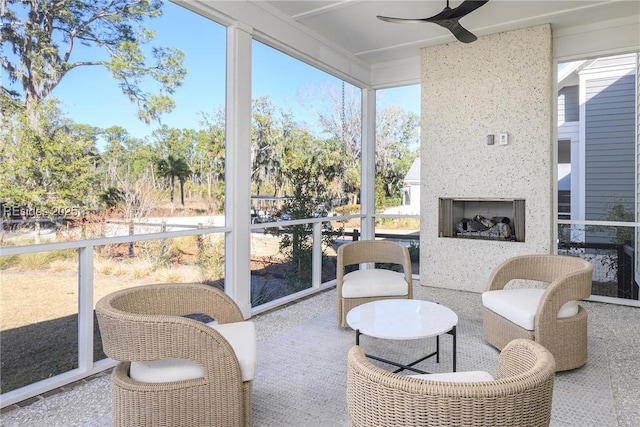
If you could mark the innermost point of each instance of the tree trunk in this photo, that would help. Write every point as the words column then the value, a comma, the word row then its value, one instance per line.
column 171, row 185
column 182, row 194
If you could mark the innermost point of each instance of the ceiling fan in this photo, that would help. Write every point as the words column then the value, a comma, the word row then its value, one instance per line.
column 448, row 19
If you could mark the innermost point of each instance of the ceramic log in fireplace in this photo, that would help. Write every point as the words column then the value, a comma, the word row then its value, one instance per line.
column 485, row 219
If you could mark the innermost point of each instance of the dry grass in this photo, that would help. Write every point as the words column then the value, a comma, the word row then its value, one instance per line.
column 27, row 298
column 178, row 274
column 44, row 286
column 60, row 265
column 38, row 313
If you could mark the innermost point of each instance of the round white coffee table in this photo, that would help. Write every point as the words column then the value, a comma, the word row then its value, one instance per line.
column 404, row 319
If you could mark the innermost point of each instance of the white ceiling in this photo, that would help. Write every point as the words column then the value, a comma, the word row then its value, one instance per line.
column 352, row 24
column 346, row 39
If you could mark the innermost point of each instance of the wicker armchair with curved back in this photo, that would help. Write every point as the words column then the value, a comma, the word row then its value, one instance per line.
column 520, row 395
column 366, row 285
column 548, row 313
column 175, row 370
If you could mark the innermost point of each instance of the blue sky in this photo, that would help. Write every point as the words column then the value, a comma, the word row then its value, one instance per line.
column 89, row 94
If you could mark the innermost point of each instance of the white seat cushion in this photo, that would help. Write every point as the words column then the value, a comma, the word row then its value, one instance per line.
column 165, row 370
column 457, row 377
column 520, row 305
column 373, row 282
column 240, row 335
column 242, row 338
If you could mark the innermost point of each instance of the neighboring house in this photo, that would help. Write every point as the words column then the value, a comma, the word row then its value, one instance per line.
column 411, row 191
column 596, row 139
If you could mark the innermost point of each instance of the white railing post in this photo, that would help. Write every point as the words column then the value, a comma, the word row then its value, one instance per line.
column 316, row 270
column 368, row 166
column 85, row 308
column 237, row 281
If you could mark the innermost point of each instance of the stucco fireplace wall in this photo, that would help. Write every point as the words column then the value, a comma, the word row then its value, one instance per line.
column 501, row 83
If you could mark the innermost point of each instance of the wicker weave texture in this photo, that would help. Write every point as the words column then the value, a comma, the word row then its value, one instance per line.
column 370, row 251
column 568, row 278
column 146, row 323
column 520, row 395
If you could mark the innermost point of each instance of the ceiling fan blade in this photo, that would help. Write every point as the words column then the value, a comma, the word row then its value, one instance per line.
column 448, row 19
column 466, row 7
column 445, row 14
column 462, row 33
column 400, row 20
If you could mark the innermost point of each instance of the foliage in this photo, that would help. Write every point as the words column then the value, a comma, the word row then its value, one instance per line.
column 211, row 257
column 338, row 110
column 621, row 212
column 262, row 293
column 348, row 210
column 266, row 144
column 138, row 199
column 49, row 169
column 395, row 200
column 380, row 193
column 308, row 199
column 111, row 197
column 618, row 211
column 35, row 260
column 42, row 36
column 173, row 168
column 414, row 251
column 209, row 152
column 397, row 140
column 50, row 161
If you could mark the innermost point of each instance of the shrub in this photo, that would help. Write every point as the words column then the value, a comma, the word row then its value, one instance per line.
column 348, row 209
column 414, row 251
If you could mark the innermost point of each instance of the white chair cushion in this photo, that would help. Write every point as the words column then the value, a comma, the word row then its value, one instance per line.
column 165, row 370
column 456, row 377
column 242, row 338
column 240, row 335
column 373, row 282
column 520, row 305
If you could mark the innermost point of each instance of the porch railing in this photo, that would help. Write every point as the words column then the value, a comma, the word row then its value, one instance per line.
column 86, row 365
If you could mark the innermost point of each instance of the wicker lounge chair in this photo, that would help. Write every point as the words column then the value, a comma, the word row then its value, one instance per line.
column 520, row 394
column 187, row 373
column 549, row 314
column 362, row 286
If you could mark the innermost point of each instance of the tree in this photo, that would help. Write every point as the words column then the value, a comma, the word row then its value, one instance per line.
column 210, row 156
column 339, row 114
column 307, row 169
column 172, row 168
column 175, row 142
column 265, row 147
column 308, row 193
column 41, row 37
column 397, row 138
column 397, row 142
column 49, row 169
column 113, row 165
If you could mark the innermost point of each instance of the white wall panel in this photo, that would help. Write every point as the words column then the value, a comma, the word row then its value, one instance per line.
column 501, row 83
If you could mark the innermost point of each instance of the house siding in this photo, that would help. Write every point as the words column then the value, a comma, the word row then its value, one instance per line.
column 637, row 249
column 609, row 147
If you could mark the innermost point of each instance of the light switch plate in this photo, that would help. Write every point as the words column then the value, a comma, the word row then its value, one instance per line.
column 504, row 139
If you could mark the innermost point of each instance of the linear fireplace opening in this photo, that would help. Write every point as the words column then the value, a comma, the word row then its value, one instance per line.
column 480, row 218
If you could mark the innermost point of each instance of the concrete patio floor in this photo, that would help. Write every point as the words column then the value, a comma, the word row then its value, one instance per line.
column 605, row 392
